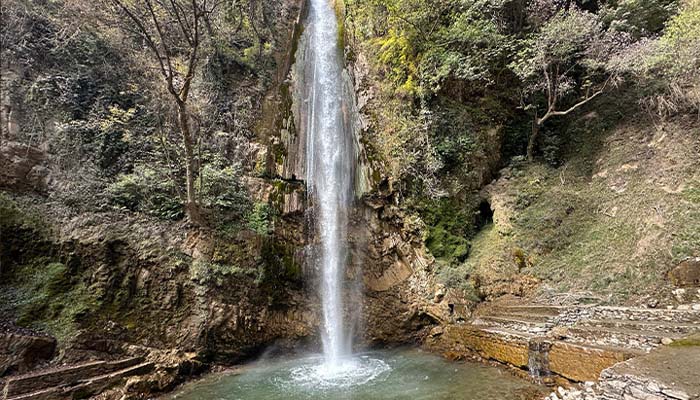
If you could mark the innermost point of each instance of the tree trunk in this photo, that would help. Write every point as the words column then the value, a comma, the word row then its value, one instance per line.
column 191, row 206
column 532, row 141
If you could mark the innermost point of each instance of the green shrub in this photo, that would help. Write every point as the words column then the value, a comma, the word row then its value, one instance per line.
column 458, row 277
column 221, row 192
column 445, row 245
column 128, row 191
column 639, row 17
column 259, row 219
column 148, row 191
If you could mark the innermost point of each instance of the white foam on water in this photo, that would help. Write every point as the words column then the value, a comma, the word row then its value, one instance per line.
column 318, row 375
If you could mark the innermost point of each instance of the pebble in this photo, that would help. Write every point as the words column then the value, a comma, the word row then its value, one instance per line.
column 696, row 307
column 666, row 341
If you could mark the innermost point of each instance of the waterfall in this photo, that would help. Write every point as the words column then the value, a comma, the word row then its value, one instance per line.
column 538, row 359
column 329, row 174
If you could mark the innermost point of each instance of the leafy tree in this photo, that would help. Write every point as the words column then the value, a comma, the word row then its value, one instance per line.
column 667, row 68
column 564, row 61
column 423, row 44
column 638, row 17
column 173, row 31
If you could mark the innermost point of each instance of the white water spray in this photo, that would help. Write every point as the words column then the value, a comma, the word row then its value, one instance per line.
column 329, row 172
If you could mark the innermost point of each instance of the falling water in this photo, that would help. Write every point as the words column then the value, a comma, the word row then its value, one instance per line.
column 329, row 170
column 538, row 359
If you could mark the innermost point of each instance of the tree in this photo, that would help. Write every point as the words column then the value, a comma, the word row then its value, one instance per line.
column 424, row 46
column 173, row 31
column 567, row 55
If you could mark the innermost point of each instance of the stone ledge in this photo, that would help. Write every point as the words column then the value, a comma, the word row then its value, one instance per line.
column 574, row 362
column 44, row 379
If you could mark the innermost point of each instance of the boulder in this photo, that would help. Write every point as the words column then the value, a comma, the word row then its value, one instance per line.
column 687, row 273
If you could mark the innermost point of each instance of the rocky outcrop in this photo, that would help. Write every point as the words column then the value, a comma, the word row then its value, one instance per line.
column 61, row 382
column 20, row 351
column 402, row 300
column 155, row 285
column 23, row 168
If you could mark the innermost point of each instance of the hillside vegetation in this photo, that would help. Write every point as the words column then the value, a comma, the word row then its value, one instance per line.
column 119, row 218
column 592, row 109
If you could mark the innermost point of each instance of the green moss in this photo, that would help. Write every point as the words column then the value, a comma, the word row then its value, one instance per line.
column 692, row 193
column 450, row 224
column 47, row 296
column 208, row 273
column 340, row 17
column 13, row 216
column 278, row 265
column 693, row 340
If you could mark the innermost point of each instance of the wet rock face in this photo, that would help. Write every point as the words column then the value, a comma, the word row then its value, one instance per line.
column 401, row 300
column 579, row 363
column 687, row 273
column 469, row 340
column 156, row 285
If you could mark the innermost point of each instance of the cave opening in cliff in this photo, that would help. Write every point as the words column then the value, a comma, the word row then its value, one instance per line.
column 484, row 215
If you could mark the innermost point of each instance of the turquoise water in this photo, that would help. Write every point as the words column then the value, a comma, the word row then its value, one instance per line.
column 398, row 374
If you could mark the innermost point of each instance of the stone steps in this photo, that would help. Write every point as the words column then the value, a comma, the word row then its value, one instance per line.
column 522, row 316
column 625, row 332
column 646, row 314
column 44, row 384
column 634, row 338
column 649, row 326
column 509, row 333
column 512, row 321
column 545, row 310
column 85, row 387
column 575, row 342
column 52, row 393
